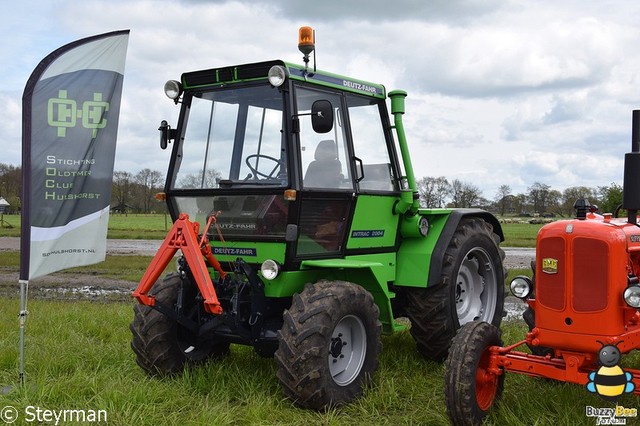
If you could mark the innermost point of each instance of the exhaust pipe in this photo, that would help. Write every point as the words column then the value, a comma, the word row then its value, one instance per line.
column 631, row 183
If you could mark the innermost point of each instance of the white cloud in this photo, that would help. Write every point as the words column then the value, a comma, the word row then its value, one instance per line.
column 499, row 91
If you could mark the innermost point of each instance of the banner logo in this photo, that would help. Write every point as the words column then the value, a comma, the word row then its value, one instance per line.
column 64, row 113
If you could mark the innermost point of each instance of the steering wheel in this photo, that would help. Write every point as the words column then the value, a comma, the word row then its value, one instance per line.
column 616, row 212
column 279, row 166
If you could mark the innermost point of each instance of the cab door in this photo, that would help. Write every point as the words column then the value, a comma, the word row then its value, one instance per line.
column 374, row 226
column 326, row 196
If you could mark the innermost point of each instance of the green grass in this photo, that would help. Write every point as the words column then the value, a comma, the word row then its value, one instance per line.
column 130, row 226
column 78, row 357
column 154, row 227
column 520, row 234
column 139, row 227
column 10, row 226
column 127, row 268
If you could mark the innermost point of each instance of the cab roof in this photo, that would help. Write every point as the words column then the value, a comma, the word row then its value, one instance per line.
column 258, row 71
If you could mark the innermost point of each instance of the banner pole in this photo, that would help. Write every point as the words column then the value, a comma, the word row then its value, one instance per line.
column 24, row 288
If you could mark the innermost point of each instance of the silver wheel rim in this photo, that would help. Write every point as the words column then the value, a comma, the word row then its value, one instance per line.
column 347, row 350
column 476, row 287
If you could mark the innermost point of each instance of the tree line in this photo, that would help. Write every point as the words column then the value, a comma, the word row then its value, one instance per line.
column 134, row 193
column 539, row 199
column 130, row 192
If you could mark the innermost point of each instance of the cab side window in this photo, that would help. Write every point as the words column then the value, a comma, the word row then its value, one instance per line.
column 369, row 145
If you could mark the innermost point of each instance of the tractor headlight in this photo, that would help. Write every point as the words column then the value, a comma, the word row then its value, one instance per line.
column 277, row 75
column 521, row 286
column 270, row 269
column 423, row 226
column 173, row 89
column 632, row 296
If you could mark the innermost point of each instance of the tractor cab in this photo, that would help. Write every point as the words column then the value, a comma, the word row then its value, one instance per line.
column 281, row 154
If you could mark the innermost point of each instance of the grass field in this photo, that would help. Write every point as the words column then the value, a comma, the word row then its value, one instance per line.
column 127, row 268
column 154, row 227
column 78, row 357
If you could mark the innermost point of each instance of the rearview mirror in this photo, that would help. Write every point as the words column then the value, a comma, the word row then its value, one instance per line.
column 167, row 134
column 322, row 116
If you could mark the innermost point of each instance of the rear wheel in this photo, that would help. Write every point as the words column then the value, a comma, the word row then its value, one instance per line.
column 162, row 346
column 471, row 288
column 329, row 344
column 471, row 388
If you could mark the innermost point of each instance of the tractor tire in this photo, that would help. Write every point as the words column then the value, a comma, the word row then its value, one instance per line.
column 329, row 344
column 470, row 390
column 465, row 292
column 164, row 347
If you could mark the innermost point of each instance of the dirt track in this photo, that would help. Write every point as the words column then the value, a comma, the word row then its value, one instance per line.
column 63, row 285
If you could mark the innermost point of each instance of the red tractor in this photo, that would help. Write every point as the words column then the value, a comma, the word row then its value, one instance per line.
column 583, row 310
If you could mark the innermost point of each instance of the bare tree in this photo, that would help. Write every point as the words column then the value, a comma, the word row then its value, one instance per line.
column 503, row 198
column 121, row 191
column 148, row 183
column 538, row 196
column 198, row 180
column 433, row 191
column 464, row 194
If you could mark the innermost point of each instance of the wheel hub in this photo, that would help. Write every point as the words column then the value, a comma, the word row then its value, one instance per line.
column 336, row 346
column 347, row 350
column 475, row 287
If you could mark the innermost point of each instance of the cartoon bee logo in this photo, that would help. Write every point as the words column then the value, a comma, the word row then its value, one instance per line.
column 610, row 381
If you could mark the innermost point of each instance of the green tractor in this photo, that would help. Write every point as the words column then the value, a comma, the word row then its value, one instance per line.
column 297, row 215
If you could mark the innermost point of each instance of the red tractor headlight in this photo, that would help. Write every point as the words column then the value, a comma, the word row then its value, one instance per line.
column 521, row 286
column 632, row 296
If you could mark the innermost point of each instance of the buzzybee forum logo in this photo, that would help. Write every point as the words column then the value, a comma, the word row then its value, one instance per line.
column 610, row 381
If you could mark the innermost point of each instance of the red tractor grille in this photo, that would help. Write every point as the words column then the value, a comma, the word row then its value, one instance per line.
column 590, row 274
column 550, row 282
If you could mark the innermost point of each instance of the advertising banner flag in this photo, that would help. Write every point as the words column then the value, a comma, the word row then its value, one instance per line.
column 70, row 108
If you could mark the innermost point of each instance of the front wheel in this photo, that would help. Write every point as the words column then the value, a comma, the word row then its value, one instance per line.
column 329, row 344
column 164, row 347
column 471, row 388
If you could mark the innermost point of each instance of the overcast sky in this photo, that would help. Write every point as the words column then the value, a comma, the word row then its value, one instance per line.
column 500, row 91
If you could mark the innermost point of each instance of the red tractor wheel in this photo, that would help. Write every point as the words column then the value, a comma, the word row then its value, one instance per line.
column 471, row 389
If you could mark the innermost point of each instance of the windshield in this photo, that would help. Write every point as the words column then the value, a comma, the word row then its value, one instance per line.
column 234, row 137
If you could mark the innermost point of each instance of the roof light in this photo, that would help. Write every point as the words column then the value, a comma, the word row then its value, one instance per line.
column 306, row 40
column 277, row 74
column 173, row 89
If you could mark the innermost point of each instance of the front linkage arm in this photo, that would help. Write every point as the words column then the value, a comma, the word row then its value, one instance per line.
column 184, row 236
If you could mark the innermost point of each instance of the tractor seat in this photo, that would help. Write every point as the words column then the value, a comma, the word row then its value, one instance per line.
column 325, row 171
